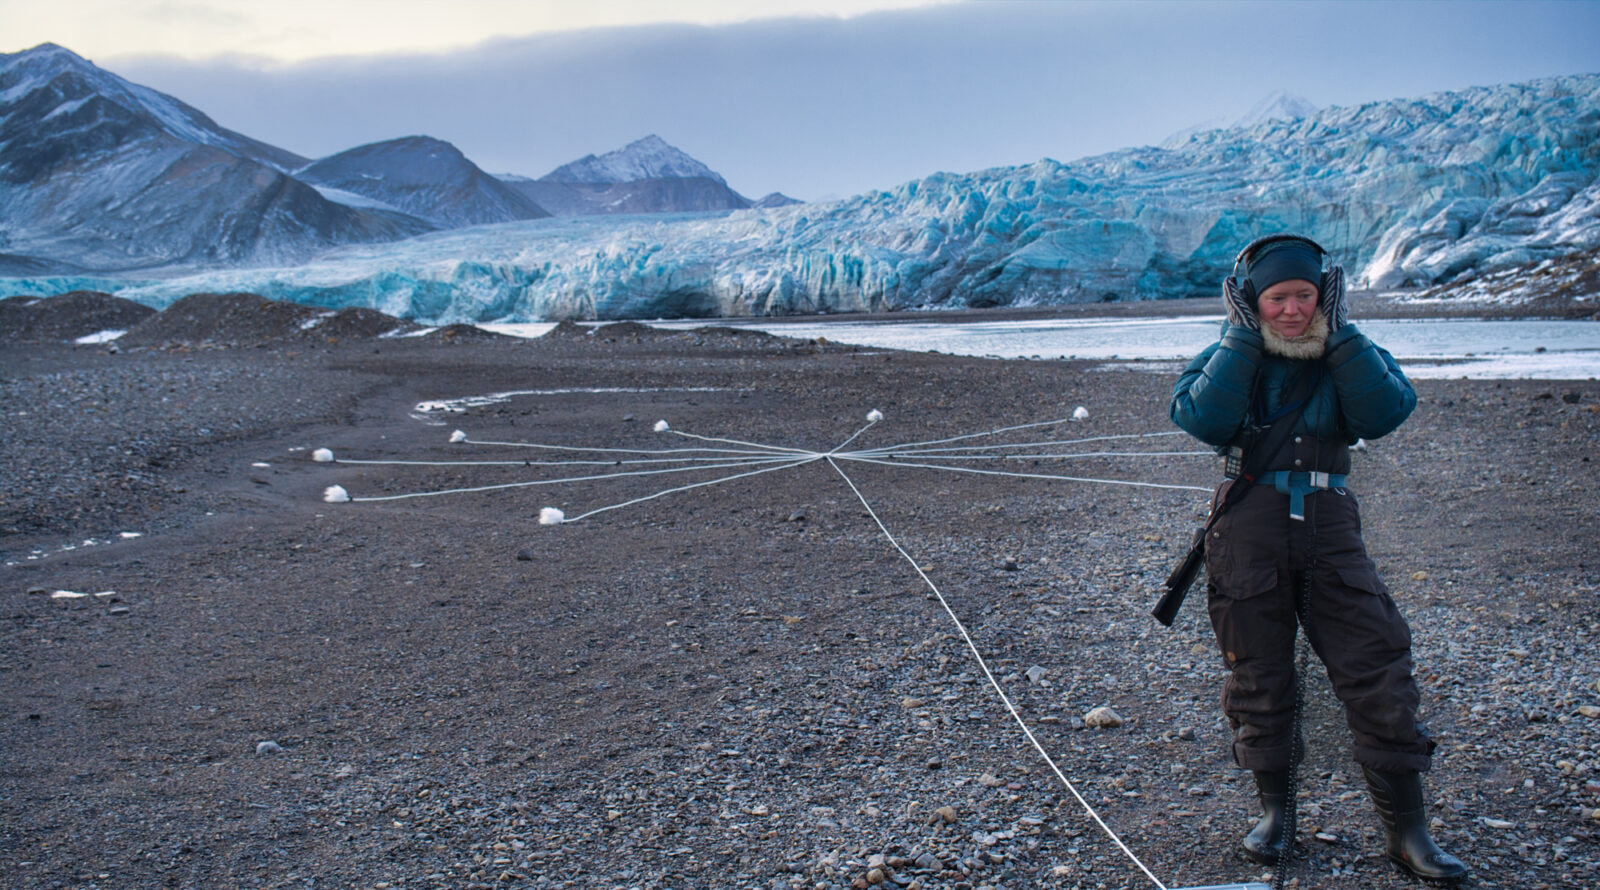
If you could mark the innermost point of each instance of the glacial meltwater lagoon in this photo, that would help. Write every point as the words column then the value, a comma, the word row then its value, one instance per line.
column 1476, row 348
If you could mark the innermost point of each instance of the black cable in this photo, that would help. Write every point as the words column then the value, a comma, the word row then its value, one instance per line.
column 1297, row 747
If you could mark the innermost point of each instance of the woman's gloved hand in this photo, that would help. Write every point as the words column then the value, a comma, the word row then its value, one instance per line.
column 1332, row 301
column 1239, row 312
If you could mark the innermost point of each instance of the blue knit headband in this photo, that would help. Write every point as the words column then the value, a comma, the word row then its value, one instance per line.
column 1281, row 261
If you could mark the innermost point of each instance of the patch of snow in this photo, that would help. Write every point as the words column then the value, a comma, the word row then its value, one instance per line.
column 99, row 337
column 67, row 107
column 1543, row 366
column 351, row 199
column 456, row 406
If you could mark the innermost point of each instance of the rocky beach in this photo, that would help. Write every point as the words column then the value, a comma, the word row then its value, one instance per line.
column 212, row 678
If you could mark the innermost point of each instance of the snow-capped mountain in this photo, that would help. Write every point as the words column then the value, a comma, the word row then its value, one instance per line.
column 645, row 176
column 51, row 84
column 99, row 173
column 647, row 158
column 423, row 177
column 1276, row 105
column 775, row 199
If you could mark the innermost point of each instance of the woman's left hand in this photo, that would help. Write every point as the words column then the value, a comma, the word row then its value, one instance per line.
column 1333, row 302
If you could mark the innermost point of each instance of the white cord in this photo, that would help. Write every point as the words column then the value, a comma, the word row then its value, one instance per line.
column 973, row 648
column 530, row 483
column 651, row 497
column 901, row 463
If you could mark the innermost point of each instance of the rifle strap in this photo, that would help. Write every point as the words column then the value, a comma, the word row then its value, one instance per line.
column 1266, row 448
column 1255, row 464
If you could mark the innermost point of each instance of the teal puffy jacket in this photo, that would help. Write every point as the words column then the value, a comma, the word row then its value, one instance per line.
column 1361, row 393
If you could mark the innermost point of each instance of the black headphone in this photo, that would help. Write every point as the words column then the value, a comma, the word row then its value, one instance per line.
column 1248, row 289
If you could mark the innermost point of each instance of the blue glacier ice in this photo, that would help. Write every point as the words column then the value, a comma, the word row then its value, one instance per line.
column 1403, row 193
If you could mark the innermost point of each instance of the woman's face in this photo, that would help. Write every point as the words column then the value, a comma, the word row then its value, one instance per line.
column 1286, row 307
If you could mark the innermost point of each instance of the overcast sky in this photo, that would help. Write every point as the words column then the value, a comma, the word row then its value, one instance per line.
column 823, row 99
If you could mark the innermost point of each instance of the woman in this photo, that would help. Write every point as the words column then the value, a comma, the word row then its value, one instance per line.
column 1289, row 549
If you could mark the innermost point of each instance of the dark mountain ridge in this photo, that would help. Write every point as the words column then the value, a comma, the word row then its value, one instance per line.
column 426, row 178
column 100, row 174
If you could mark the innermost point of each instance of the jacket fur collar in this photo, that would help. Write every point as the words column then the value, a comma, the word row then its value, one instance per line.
column 1309, row 345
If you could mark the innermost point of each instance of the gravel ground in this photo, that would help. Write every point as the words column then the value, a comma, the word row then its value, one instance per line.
column 740, row 685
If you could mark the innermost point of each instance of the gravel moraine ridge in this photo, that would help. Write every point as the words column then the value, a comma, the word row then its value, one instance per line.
column 735, row 686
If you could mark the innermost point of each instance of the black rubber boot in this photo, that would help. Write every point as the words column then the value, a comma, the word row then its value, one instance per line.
column 1268, row 841
column 1398, row 799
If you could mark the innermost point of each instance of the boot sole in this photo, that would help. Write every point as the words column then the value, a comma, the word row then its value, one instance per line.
column 1401, row 867
column 1260, row 859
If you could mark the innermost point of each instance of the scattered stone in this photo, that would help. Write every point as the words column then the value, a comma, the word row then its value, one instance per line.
column 826, row 715
column 118, row 610
column 1498, row 823
column 1102, row 718
column 1010, row 564
column 946, row 814
column 1589, row 711
column 268, row 747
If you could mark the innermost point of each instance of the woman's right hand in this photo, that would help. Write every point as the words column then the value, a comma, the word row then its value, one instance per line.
column 1239, row 312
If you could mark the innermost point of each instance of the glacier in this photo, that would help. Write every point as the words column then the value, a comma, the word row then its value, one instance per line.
column 1404, row 193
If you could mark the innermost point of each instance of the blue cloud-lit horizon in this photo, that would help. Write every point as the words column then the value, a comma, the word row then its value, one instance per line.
column 820, row 107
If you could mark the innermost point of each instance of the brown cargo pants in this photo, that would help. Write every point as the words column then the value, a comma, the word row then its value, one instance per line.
column 1256, row 563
